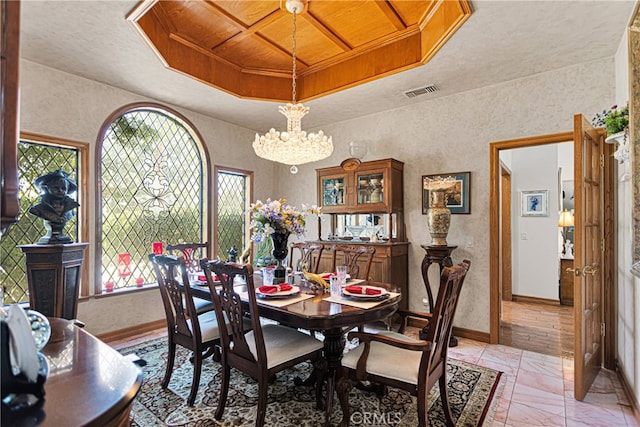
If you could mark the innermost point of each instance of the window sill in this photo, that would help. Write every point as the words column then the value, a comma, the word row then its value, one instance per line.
column 120, row 292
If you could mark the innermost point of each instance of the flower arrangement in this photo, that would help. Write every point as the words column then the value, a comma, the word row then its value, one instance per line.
column 278, row 216
column 614, row 120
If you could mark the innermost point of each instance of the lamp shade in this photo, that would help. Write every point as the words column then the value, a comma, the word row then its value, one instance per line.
column 566, row 219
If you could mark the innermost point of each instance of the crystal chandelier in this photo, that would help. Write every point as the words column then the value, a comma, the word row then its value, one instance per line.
column 293, row 146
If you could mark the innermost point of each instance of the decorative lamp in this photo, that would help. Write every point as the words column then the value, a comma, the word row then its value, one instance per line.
column 566, row 220
column 293, row 146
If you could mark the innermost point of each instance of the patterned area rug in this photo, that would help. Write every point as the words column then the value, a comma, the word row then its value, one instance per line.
column 471, row 390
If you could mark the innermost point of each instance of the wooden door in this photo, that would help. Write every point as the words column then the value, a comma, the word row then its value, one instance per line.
column 588, row 266
column 505, row 234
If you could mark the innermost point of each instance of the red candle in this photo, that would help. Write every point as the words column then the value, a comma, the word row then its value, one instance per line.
column 157, row 248
column 109, row 286
column 139, row 282
column 124, row 261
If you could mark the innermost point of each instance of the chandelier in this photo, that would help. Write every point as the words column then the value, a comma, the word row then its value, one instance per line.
column 293, row 146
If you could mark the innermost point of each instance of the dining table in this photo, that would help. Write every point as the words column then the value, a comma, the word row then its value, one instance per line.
column 315, row 309
column 87, row 384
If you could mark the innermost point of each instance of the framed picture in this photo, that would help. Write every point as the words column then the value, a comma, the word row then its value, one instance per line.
column 534, row 203
column 458, row 197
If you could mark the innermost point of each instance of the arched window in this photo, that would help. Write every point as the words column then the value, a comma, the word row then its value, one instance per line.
column 152, row 187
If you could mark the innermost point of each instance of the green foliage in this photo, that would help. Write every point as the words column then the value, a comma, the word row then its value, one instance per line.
column 614, row 120
column 617, row 121
column 231, row 224
column 133, row 131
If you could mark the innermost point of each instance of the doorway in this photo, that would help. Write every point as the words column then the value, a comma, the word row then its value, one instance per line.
column 533, row 316
column 496, row 230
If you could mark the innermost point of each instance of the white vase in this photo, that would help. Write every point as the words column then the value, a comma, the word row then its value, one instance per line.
column 621, row 154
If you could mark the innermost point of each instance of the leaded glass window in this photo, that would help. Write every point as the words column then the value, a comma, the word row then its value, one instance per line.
column 153, row 176
column 233, row 202
column 34, row 160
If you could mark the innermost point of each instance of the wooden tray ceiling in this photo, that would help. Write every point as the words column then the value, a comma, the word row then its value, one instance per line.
column 244, row 47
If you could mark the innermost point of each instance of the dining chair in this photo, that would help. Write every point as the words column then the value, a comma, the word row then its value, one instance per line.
column 309, row 256
column 423, row 361
column 261, row 352
column 196, row 332
column 349, row 255
column 192, row 253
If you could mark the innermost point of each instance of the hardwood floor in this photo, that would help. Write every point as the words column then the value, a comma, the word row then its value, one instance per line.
column 542, row 328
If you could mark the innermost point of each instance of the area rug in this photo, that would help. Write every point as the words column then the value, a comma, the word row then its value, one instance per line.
column 471, row 390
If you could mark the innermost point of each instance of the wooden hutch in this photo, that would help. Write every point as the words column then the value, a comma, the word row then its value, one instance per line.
column 363, row 204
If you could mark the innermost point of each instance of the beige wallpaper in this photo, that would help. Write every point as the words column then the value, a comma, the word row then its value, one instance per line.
column 452, row 134
column 66, row 106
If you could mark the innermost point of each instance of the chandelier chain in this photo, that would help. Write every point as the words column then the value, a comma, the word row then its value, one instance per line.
column 293, row 146
column 293, row 55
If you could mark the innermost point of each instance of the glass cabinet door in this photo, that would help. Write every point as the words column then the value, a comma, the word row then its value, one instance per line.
column 370, row 188
column 333, row 191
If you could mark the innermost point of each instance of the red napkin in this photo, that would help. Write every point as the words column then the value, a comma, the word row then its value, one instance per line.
column 272, row 289
column 361, row 290
column 203, row 278
column 327, row 276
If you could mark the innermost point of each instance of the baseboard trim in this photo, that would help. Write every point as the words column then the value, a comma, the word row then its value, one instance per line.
column 535, row 300
column 628, row 391
column 121, row 334
column 457, row 332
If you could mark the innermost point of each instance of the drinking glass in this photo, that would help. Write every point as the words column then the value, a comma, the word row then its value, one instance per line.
column 341, row 271
column 267, row 276
column 336, row 288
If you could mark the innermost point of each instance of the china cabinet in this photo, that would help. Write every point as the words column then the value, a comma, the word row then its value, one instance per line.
column 372, row 188
column 363, row 205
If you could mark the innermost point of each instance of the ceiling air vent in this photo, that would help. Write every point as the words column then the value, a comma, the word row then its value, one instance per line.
column 421, row 91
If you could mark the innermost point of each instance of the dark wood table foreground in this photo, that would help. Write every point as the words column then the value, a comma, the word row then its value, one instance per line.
column 316, row 314
column 89, row 383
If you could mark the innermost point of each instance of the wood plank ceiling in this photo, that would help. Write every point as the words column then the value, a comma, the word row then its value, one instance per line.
column 244, row 47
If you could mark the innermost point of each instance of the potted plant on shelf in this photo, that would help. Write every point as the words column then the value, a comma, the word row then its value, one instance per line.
column 616, row 123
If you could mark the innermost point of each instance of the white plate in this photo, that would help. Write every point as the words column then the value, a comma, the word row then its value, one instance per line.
column 295, row 290
column 383, row 294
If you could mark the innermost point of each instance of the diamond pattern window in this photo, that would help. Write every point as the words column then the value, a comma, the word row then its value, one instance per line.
column 233, row 197
column 153, row 189
column 34, row 159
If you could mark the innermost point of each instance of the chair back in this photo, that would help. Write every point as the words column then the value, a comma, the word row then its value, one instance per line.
column 309, row 256
column 191, row 252
column 441, row 324
column 173, row 281
column 349, row 255
column 229, row 307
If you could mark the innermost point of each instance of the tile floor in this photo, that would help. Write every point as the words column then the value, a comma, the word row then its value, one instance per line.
column 537, row 390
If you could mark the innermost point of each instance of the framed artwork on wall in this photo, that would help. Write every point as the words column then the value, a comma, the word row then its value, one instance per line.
column 534, row 203
column 458, row 197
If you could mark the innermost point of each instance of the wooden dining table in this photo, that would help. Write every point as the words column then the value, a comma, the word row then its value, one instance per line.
column 88, row 383
column 332, row 319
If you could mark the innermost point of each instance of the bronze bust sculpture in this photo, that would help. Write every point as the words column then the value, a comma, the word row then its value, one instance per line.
column 55, row 205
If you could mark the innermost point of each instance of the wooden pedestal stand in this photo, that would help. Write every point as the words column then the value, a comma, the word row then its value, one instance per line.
column 53, row 275
column 441, row 255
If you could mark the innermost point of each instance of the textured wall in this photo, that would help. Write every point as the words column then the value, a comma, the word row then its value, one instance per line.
column 535, row 239
column 66, row 106
column 628, row 302
column 450, row 134
column 453, row 134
